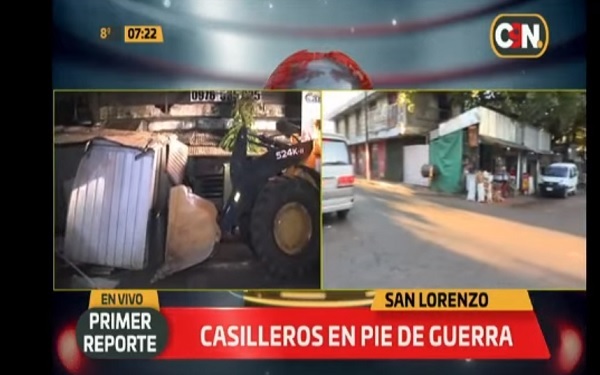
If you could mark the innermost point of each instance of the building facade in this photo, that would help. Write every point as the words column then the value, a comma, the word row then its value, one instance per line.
column 199, row 124
column 393, row 128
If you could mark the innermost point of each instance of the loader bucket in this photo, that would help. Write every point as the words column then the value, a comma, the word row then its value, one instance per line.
column 192, row 231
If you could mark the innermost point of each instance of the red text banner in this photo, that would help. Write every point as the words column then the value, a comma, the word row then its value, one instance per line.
column 350, row 333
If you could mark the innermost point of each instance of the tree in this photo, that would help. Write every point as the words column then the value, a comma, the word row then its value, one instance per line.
column 562, row 114
column 243, row 112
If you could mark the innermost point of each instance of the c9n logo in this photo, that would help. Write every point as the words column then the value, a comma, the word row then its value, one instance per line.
column 519, row 36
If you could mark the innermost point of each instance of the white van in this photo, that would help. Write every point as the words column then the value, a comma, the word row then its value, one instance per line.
column 337, row 176
column 559, row 179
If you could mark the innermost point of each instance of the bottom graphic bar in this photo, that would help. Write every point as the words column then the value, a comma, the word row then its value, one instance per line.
column 175, row 333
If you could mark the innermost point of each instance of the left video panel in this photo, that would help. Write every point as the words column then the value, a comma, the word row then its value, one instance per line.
column 191, row 190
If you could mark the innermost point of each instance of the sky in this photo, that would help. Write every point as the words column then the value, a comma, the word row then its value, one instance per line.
column 332, row 101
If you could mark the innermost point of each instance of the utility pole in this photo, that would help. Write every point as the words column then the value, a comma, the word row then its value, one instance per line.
column 367, row 148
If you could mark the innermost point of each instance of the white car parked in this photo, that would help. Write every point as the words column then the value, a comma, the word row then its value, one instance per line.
column 559, row 179
column 337, row 176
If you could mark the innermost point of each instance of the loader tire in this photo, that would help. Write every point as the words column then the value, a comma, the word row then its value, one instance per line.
column 281, row 237
column 245, row 231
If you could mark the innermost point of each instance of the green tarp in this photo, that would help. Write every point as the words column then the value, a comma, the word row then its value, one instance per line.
column 446, row 153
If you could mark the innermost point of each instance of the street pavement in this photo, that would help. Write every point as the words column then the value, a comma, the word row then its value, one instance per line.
column 401, row 237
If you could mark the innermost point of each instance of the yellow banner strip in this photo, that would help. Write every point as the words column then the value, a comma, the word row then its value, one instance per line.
column 143, row 34
column 452, row 300
column 124, row 298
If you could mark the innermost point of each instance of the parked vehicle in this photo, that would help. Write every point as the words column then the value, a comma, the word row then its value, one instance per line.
column 338, row 176
column 559, row 179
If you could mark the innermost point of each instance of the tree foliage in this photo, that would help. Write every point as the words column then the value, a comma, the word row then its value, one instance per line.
column 243, row 113
column 561, row 113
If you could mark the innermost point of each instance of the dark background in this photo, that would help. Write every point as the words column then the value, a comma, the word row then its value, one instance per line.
column 442, row 44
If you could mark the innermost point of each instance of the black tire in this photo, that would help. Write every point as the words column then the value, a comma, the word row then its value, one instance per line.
column 565, row 195
column 245, row 231
column 274, row 195
column 342, row 215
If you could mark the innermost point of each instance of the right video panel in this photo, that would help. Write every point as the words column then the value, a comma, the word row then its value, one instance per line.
column 454, row 189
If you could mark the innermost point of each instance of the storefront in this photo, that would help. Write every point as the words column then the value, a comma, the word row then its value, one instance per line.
column 502, row 157
column 377, row 157
column 484, row 142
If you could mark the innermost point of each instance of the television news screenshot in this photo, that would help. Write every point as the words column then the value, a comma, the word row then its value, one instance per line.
column 288, row 187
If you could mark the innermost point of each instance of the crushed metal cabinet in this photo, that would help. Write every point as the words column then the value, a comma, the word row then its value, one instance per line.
column 117, row 208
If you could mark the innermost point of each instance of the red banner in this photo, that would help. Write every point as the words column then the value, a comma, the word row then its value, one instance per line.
column 352, row 333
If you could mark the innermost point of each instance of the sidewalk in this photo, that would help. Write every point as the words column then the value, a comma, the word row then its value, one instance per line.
column 414, row 190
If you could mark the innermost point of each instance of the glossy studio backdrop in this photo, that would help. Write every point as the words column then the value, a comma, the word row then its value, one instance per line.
column 238, row 44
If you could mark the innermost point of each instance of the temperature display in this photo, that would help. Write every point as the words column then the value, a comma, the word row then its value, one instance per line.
column 106, row 32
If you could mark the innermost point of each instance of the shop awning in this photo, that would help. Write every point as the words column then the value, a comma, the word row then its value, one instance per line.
column 502, row 143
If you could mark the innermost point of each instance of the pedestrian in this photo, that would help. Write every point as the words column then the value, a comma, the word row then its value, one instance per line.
column 489, row 186
column 471, row 183
column 480, row 180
